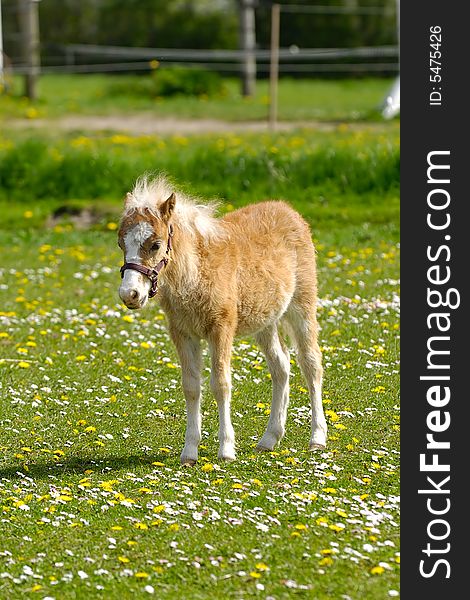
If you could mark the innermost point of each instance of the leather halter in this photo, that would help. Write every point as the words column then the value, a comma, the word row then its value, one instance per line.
column 152, row 274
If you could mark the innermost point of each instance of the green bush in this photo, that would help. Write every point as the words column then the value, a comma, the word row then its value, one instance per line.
column 186, row 82
column 171, row 81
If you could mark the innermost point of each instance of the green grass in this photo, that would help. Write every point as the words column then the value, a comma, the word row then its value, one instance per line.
column 94, row 502
column 333, row 177
column 59, row 304
column 315, row 99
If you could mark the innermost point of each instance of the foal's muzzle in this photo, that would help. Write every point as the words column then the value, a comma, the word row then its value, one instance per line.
column 152, row 274
column 132, row 297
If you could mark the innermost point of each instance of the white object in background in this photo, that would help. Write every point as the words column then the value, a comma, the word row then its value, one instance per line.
column 391, row 105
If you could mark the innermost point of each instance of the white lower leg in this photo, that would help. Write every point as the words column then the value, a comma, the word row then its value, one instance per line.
column 220, row 349
column 319, row 426
column 279, row 367
column 304, row 328
column 189, row 351
column 226, row 432
column 193, row 430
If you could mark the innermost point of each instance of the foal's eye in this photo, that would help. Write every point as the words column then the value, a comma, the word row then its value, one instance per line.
column 155, row 246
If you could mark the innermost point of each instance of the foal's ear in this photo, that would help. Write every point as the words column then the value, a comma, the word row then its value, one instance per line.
column 168, row 206
column 128, row 199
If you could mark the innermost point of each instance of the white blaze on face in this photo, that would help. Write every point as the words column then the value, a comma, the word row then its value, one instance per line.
column 133, row 280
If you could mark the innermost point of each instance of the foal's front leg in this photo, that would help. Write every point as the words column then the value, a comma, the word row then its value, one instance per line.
column 220, row 345
column 189, row 351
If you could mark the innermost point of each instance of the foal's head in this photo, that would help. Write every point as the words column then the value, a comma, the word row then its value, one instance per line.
column 144, row 237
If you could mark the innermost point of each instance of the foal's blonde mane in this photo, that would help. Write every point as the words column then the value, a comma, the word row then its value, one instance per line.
column 192, row 216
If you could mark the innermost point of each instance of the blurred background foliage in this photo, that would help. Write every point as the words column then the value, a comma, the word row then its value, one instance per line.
column 198, row 24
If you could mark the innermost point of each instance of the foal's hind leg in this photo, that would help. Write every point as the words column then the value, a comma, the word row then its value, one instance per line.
column 304, row 330
column 189, row 351
column 277, row 359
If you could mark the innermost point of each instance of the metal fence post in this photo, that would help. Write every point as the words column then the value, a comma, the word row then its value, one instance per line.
column 274, row 65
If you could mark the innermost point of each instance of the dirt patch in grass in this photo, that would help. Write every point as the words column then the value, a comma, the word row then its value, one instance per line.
column 142, row 124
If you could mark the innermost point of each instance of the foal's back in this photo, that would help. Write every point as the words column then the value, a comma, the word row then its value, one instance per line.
column 275, row 260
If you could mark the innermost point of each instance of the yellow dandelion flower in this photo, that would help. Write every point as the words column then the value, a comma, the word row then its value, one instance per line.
column 380, row 389
column 377, row 570
column 32, row 113
column 332, row 415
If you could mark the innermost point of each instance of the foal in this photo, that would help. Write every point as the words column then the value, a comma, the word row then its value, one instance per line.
column 245, row 273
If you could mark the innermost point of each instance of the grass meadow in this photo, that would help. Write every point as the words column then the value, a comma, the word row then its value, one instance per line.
column 94, row 502
column 316, row 99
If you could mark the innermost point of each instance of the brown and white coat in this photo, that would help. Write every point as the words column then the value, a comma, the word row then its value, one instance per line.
column 251, row 272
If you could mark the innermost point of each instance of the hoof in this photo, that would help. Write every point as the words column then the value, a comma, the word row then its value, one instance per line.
column 227, row 458
column 188, row 462
column 314, row 446
column 261, row 448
